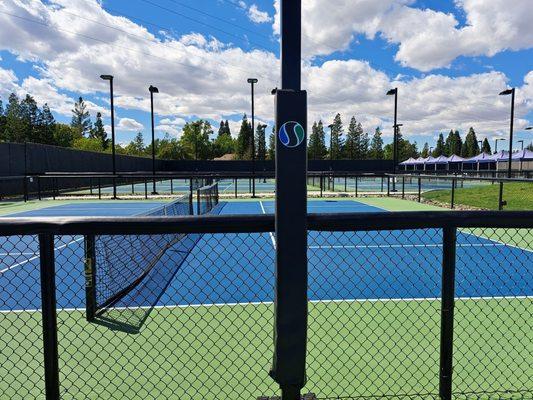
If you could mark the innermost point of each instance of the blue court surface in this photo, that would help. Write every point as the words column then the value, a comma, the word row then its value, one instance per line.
column 342, row 265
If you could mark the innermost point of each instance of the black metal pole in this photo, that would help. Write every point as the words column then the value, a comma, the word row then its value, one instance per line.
column 447, row 308
column 419, row 189
column 151, row 88
column 509, row 170
column 452, row 205
column 113, row 151
column 290, row 304
column 48, row 299
column 252, row 83
column 395, row 138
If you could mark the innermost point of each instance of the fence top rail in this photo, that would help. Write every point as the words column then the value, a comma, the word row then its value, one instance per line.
column 263, row 223
column 461, row 177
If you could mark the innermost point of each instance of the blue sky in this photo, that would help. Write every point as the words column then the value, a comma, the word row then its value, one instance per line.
column 449, row 60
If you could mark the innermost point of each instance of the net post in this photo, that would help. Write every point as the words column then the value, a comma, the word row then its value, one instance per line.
column 90, row 277
column 48, row 299
column 447, row 309
column 452, row 201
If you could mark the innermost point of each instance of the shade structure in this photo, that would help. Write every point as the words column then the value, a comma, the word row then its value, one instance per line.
column 454, row 158
column 409, row 161
column 480, row 158
column 437, row 160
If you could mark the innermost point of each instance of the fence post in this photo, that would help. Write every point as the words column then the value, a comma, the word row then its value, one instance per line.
column 419, row 189
column 48, row 299
column 345, row 183
column 388, row 186
column 501, row 203
column 447, row 308
column 356, row 188
column 321, row 185
column 403, row 187
column 39, row 187
column 453, row 195
column 90, row 277
column 236, row 190
column 171, row 186
column 145, row 189
column 99, row 188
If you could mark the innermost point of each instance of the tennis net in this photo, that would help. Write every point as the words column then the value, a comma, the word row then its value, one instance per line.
column 207, row 198
column 117, row 264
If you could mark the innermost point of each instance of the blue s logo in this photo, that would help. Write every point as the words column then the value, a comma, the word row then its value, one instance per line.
column 291, row 134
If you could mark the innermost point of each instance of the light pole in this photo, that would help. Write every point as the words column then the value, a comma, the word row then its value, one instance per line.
column 252, row 82
column 152, row 90
column 113, row 154
column 521, row 144
column 394, row 92
column 505, row 93
column 496, row 144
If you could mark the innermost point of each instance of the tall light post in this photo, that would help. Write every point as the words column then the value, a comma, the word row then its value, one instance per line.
column 496, row 144
column 113, row 153
column 506, row 93
column 252, row 82
column 152, row 90
column 394, row 92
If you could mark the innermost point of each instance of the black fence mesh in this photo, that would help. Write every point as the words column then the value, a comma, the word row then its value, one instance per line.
column 374, row 330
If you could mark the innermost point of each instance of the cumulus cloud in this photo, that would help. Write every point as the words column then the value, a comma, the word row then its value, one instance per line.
column 426, row 39
column 129, row 124
column 258, row 16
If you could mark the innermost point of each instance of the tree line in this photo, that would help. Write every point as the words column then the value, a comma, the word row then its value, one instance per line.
column 22, row 120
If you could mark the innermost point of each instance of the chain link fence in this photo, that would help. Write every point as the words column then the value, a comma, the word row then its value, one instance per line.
column 404, row 305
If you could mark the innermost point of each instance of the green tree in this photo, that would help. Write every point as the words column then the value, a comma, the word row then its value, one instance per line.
column 353, row 141
column 364, row 147
column 317, row 149
column 81, row 119
column 46, row 126
column 337, row 141
column 260, row 139
column 471, row 146
column 453, row 144
column 2, row 121
column 195, row 142
column 31, row 116
column 439, row 147
column 376, row 146
column 272, row 145
column 15, row 125
column 136, row 146
column 64, row 135
column 244, row 140
column 87, row 144
column 223, row 144
column 425, row 151
column 98, row 131
column 485, row 146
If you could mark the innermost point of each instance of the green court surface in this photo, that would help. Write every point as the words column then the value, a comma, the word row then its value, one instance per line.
column 356, row 348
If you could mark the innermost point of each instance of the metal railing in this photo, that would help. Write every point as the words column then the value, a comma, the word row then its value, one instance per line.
column 425, row 304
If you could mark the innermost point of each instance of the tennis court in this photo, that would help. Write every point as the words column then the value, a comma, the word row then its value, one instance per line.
column 374, row 320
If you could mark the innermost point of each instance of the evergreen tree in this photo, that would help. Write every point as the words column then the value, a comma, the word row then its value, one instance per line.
column 471, row 145
column 440, row 147
column 46, row 126
column 376, row 146
column 260, row 139
column 81, row 119
column 244, row 140
column 221, row 129
column 272, row 145
column 353, row 139
column 98, row 131
column 425, row 151
column 365, row 143
column 15, row 125
column 2, row 121
column 226, row 128
column 336, row 140
column 485, row 147
column 453, row 143
column 136, row 146
column 317, row 146
column 64, row 135
column 31, row 116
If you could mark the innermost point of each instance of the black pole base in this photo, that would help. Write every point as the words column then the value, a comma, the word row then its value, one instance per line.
column 154, row 193
column 308, row 396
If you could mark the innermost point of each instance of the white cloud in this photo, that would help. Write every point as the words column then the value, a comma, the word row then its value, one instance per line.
column 427, row 39
column 258, row 16
column 129, row 124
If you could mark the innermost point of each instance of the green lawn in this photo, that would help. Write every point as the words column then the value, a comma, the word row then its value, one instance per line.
column 519, row 196
column 212, row 352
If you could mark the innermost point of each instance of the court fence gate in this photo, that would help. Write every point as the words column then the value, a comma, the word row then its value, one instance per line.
column 407, row 304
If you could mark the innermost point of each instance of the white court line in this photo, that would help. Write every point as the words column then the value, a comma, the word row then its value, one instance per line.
column 270, row 233
column 37, row 256
column 19, row 254
column 387, row 246
column 268, row 303
column 494, row 240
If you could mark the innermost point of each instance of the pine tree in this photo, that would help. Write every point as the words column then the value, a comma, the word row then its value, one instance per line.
column 471, row 145
column 365, row 143
column 425, row 151
column 98, row 132
column 221, row 129
column 244, row 140
column 136, row 146
column 15, row 125
column 272, row 144
column 485, row 147
column 352, row 144
column 317, row 147
column 81, row 119
column 376, row 146
column 261, row 142
column 2, row 121
column 337, row 141
column 226, row 128
column 440, row 147
column 31, row 115
column 46, row 126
